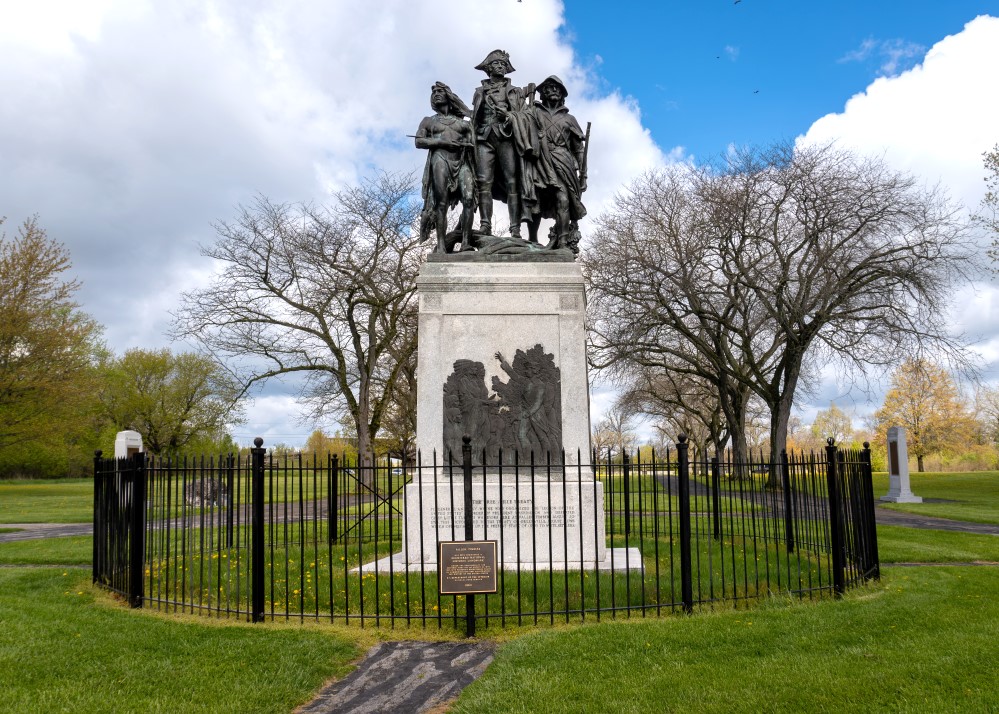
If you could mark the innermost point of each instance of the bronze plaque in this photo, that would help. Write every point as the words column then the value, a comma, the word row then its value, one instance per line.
column 893, row 458
column 466, row 567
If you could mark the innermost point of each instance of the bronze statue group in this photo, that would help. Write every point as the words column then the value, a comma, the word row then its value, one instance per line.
column 519, row 145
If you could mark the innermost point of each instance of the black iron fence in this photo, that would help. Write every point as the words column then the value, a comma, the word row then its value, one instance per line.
column 261, row 537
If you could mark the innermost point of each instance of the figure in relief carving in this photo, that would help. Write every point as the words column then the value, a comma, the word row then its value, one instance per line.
column 532, row 398
column 468, row 408
column 523, row 415
column 449, row 174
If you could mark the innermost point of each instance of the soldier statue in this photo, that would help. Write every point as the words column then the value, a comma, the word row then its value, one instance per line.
column 530, row 155
column 504, row 142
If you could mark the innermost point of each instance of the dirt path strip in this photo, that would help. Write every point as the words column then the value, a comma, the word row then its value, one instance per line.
column 405, row 678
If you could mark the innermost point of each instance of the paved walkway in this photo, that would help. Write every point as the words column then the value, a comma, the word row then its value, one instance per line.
column 31, row 531
column 884, row 516
column 405, row 678
column 890, row 517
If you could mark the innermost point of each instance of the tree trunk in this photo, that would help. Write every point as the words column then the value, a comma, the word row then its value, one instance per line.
column 919, row 463
column 364, row 435
column 780, row 411
column 733, row 401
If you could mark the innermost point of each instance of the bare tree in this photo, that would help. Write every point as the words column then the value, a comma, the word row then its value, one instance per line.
column 399, row 420
column 680, row 403
column 662, row 297
column 737, row 274
column 615, row 431
column 987, row 216
column 327, row 292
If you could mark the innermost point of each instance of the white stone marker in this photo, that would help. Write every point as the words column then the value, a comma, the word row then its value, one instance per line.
column 898, row 469
column 127, row 443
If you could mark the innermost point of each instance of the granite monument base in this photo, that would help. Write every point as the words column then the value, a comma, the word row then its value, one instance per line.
column 538, row 525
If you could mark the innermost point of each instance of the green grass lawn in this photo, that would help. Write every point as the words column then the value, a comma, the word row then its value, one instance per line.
column 974, row 496
column 915, row 545
column 924, row 639
column 71, row 550
column 62, row 651
column 61, row 501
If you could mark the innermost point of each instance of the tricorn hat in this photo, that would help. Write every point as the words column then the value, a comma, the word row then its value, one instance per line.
column 555, row 80
column 496, row 55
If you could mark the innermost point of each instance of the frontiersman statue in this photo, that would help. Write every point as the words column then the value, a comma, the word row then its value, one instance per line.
column 560, row 165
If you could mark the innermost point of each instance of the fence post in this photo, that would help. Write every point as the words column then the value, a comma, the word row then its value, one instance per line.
column 466, row 468
column 716, row 496
column 686, row 576
column 835, row 519
column 257, row 531
column 98, row 539
column 626, row 463
column 333, row 468
column 873, row 565
column 137, row 531
column 785, row 474
column 230, row 492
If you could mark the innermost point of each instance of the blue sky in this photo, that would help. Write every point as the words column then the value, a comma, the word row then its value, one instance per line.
column 130, row 126
column 708, row 74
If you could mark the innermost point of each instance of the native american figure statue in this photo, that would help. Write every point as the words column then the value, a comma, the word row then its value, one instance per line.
column 448, row 176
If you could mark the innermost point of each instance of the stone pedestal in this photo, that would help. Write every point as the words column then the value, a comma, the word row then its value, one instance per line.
column 547, row 525
column 898, row 469
column 526, row 312
column 502, row 359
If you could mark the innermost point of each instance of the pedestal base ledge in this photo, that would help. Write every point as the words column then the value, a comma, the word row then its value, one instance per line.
column 618, row 560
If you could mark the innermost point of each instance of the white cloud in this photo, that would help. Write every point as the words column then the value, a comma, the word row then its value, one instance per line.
column 129, row 126
column 933, row 121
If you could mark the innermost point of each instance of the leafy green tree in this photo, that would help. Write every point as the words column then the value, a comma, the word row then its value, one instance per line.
column 47, row 353
column 926, row 402
column 172, row 400
column 832, row 422
column 321, row 444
